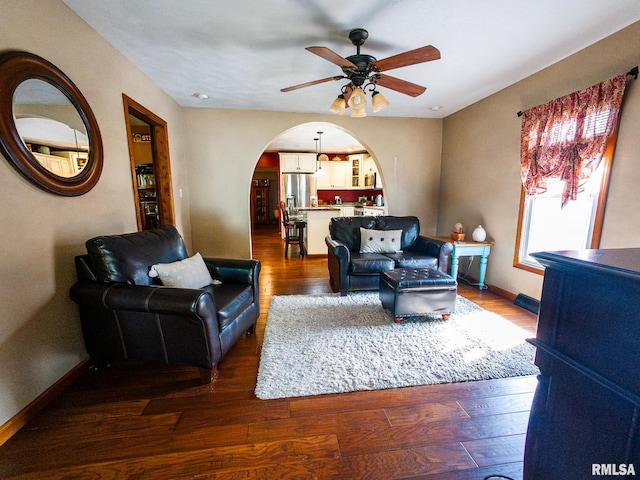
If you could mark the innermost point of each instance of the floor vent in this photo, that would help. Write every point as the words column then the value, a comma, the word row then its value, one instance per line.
column 527, row 303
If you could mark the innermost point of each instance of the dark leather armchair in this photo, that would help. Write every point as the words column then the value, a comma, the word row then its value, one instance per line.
column 351, row 270
column 125, row 314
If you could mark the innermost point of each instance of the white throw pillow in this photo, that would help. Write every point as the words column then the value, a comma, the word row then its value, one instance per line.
column 188, row 273
column 380, row 241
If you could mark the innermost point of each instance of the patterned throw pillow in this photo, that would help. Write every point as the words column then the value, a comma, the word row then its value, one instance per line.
column 380, row 241
column 188, row 273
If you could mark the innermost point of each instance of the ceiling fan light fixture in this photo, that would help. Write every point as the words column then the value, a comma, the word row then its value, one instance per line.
column 358, row 113
column 378, row 102
column 338, row 105
column 357, row 100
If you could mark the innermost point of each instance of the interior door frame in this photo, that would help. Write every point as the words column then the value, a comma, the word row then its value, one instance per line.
column 161, row 160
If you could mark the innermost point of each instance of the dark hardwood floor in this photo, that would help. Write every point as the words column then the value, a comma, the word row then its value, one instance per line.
column 141, row 422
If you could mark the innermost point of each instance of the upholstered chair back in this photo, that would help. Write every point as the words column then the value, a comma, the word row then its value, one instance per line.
column 126, row 258
column 347, row 229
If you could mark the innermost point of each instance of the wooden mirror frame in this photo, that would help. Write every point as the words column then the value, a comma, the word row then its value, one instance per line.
column 15, row 68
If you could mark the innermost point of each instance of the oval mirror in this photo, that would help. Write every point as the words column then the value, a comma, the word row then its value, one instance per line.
column 47, row 129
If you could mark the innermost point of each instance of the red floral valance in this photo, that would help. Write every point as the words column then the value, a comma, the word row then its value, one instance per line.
column 567, row 138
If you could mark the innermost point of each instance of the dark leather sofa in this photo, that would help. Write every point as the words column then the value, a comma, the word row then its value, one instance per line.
column 350, row 270
column 125, row 314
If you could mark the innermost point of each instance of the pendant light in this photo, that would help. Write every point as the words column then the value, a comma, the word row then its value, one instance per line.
column 319, row 172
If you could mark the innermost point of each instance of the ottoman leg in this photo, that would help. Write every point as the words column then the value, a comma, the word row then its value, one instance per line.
column 445, row 316
column 398, row 319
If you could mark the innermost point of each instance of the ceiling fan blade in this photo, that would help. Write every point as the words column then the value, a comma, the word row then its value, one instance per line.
column 401, row 86
column 332, row 56
column 419, row 55
column 309, row 84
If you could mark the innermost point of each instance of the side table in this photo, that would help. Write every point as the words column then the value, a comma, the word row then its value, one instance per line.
column 469, row 249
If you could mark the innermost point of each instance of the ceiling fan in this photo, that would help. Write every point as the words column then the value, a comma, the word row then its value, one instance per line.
column 364, row 74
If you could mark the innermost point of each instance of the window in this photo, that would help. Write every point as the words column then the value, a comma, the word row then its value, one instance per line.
column 566, row 154
column 544, row 225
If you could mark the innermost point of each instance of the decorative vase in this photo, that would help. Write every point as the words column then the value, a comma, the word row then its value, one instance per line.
column 479, row 234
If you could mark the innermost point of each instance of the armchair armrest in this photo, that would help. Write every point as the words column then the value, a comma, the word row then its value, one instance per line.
column 185, row 302
column 338, row 260
column 234, row 270
column 435, row 248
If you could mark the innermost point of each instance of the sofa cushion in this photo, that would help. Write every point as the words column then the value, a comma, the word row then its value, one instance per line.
column 127, row 257
column 231, row 299
column 380, row 241
column 369, row 263
column 409, row 225
column 346, row 230
column 188, row 273
column 409, row 259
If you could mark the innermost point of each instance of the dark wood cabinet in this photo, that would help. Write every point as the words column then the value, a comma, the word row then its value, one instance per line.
column 260, row 205
column 586, row 410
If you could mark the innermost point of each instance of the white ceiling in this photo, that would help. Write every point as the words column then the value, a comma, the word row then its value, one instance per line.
column 242, row 52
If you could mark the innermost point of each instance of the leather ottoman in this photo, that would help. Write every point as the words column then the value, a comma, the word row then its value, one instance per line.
column 409, row 292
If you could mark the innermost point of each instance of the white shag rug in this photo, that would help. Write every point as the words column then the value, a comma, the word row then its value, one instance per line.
column 319, row 344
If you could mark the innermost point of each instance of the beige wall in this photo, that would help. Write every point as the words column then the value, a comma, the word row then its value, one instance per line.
column 225, row 145
column 480, row 174
column 40, row 337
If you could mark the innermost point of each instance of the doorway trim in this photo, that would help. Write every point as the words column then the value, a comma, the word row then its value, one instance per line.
column 161, row 160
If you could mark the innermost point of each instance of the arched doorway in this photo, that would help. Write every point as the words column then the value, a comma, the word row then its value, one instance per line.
column 352, row 175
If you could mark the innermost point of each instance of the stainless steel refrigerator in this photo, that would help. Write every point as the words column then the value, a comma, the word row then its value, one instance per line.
column 297, row 189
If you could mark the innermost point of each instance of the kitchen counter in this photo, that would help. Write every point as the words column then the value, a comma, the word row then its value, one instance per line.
column 318, row 219
column 369, row 210
column 320, row 207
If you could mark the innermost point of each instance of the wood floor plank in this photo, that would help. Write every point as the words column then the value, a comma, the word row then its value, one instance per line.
column 301, row 407
column 511, row 470
column 122, row 448
column 359, row 443
column 339, row 424
column 497, row 450
column 429, row 412
column 497, row 405
column 208, row 461
column 403, row 463
column 89, row 413
column 219, row 409
column 146, row 421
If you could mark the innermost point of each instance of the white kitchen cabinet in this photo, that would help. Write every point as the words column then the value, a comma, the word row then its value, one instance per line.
column 347, row 211
column 63, row 163
column 297, row 162
column 337, row 175
column 358, row 162
column 370, row 174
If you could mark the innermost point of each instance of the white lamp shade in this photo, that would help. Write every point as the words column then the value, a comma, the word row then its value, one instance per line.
column 338, row 105
column 357, row 100
column 358, row 113
column 378, row 102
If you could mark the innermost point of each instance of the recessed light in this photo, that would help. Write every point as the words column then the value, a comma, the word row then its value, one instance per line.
column 435, row 108
column 201, row 96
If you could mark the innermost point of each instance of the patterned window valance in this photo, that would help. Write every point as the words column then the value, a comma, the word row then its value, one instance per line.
column 566, row 139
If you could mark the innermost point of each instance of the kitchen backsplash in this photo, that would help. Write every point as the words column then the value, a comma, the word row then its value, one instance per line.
column 347, row 196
